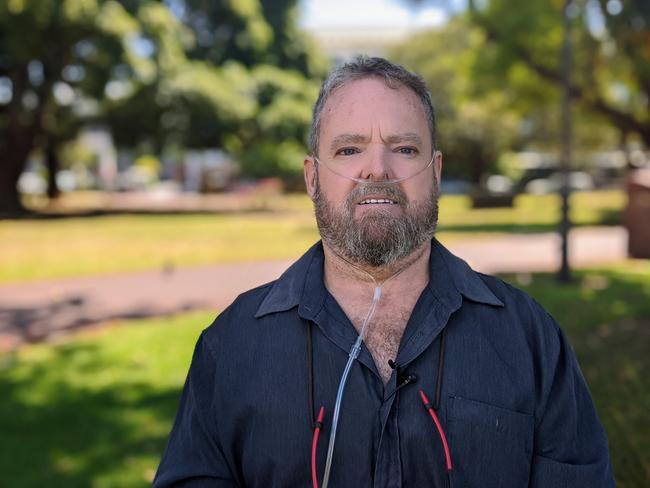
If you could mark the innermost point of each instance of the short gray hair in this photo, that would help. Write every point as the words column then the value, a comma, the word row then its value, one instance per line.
column 363, row 67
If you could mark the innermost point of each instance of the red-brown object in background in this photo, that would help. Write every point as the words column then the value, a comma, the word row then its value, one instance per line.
column 637, row 214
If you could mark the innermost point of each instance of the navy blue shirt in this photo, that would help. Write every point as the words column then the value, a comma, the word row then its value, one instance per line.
column 513, row 403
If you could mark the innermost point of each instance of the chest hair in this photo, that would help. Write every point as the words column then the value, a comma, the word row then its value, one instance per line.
column 384, row 332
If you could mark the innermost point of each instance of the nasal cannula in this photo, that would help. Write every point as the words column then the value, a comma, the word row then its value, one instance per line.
column 354, row 353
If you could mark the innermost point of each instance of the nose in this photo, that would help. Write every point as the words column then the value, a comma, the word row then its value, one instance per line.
column 377, row 165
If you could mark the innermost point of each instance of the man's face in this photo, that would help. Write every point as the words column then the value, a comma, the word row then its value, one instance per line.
column 374, row 223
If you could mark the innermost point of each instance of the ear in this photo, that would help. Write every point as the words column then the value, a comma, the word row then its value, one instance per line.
column 437, row 165
column 310, row 175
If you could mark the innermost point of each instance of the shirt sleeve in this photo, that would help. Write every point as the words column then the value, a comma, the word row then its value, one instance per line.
column 193, row 457
column 570, row 448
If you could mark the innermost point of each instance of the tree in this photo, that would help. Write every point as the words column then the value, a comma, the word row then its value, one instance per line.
column 227, row 90
column 474, row 125
column 55, row 59
column 178, row 73
column 251, row 32
column 611, row 75
column 264, row 54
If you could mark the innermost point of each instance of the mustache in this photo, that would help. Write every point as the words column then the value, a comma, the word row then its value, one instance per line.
column 391, row 192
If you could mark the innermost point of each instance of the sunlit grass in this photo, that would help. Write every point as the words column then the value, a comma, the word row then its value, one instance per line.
column 82, row 246
column 54, row 248
column 531, row 213
column 95, row 411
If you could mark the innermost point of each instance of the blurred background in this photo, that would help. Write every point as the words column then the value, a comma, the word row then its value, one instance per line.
column 151, row 169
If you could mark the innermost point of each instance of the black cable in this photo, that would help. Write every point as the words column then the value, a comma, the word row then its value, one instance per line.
column 441, row 366
column 310, row 367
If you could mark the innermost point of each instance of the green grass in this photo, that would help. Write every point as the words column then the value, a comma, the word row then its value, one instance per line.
column 95, row 411
column 66, row 247
column 531, row 213
column 33, row 250
column 606, row 314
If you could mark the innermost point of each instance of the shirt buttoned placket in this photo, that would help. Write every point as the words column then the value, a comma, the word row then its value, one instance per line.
column 439, row 300
column 430, row 315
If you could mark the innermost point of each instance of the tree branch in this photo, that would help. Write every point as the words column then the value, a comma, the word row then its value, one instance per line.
column 624, row 120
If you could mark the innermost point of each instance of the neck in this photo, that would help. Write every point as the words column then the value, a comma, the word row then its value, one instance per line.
column 340, row 273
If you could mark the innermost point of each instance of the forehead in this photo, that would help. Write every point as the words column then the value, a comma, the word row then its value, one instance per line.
column 361, row 106
column 372, row 99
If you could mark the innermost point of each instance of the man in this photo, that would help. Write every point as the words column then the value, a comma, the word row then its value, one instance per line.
column 461, row 379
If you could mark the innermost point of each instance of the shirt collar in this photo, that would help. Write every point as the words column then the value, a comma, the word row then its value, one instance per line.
column 302, row 283
column 287, row 291
column 445, row 267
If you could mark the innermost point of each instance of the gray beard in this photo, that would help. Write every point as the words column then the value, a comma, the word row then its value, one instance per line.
column 376, row 238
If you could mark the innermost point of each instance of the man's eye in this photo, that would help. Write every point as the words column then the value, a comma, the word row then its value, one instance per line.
column 347, row 151
column 407, row 150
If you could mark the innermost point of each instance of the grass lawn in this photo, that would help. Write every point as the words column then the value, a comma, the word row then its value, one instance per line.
column 95, row 411
column 65, row 247
column 606, row 315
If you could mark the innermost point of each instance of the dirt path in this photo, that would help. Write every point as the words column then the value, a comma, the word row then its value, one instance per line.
column 46, row 309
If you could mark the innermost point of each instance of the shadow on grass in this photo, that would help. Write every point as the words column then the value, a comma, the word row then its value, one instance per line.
column 61, row 432
column 607, row 318
column 54, row 317
column 75, row 214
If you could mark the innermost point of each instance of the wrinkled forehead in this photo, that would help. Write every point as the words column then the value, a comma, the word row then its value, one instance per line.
column 369, row 105
column 372, row 95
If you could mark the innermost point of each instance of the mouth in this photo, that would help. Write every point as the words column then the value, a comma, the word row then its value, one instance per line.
column 377, row 201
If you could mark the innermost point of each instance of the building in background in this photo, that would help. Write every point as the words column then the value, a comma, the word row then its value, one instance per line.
column 372, row 27
column 345, row 43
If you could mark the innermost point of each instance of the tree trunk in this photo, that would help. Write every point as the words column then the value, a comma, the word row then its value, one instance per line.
column 15, row 147
column 52, row 163
column 11, row 166
column 16, row 142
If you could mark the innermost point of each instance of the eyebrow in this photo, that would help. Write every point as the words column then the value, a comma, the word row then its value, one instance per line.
column 350, row 138
column 411, row 137
column 343, row 139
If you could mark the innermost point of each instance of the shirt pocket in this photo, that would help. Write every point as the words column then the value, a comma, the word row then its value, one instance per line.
column 490, row 446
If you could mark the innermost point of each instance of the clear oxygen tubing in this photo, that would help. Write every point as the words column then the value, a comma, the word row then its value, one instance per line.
column 365, row 181
column 354, row 353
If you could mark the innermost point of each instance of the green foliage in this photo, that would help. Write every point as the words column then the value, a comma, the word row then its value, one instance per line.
column 56, row 58
column 75, row 154
column 162, row 76
column 291, row 48
column 505, row 61
column 610, row 75
column 475, row 125
column 276, row 146
column 273, row 159
column 224, row 94
column 252, row 32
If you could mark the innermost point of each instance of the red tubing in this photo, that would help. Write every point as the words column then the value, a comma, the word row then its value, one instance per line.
column 433, row 415
column 314, row 444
